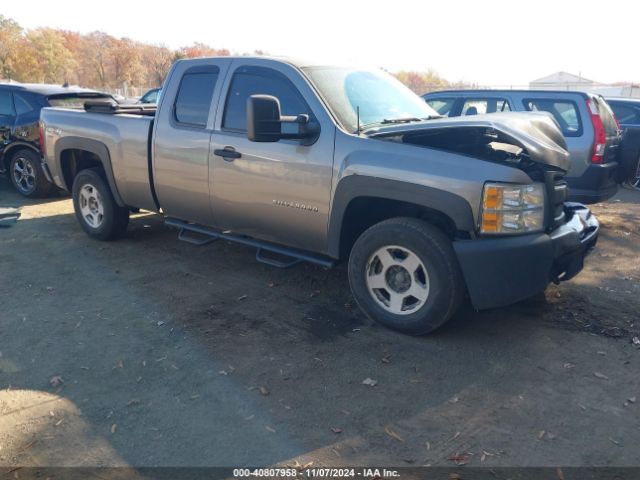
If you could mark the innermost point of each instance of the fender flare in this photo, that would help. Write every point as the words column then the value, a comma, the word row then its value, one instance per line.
column 99, row 149
column 349, row 188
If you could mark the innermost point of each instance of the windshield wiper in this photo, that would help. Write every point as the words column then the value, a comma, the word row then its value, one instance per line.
column 402, row 120
column 389, row 121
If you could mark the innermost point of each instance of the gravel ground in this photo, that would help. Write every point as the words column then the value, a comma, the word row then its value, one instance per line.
column 152, row 352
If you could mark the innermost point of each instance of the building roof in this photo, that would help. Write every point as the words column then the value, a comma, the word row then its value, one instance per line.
column 563, row 78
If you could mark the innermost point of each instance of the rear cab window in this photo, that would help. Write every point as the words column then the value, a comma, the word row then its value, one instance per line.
column 249, row 81
column 194, row 96
column 564, row 111
column 442, row 105
column 480, row 106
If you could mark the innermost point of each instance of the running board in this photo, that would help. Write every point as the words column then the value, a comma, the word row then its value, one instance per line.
column 294, row 256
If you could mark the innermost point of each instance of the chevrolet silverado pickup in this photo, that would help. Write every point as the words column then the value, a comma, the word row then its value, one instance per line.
column 316, row 163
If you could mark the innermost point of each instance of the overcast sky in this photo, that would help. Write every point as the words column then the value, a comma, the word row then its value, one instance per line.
column 490, row 42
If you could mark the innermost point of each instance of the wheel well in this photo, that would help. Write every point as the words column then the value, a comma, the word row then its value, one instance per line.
column 364, row 212
column 8, row 154
column 72, row 161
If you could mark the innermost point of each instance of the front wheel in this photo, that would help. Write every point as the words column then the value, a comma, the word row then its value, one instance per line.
column 96, row 210
column 404, row 274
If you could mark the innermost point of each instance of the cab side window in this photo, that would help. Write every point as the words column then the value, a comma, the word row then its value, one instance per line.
column 249, row 81
column 480, row 106
column 442, row 105
column 24, row 104
column 195, row 92
column 6, row 104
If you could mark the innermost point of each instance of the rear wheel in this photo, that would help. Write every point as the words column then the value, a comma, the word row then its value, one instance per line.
column 96, row 210
column 27, row 176
column 404, row 274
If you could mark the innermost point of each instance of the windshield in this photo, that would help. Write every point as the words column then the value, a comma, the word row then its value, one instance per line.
column 379, row 96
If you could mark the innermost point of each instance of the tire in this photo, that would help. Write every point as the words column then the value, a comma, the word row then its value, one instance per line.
column 96, row 210
column 27, row 176
column 401, row 257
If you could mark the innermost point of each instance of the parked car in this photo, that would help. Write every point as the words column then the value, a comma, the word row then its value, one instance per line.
column 322, row 164
column 627, row 111
column 151, row 96
column 20, row 106
column 585, row 119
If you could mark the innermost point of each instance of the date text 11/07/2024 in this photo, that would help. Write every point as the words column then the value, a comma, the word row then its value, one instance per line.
column 329, row 473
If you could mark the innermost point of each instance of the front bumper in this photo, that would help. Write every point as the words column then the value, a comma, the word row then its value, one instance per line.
column 501, row 271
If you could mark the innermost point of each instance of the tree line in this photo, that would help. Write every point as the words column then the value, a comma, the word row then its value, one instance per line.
column 101, row 61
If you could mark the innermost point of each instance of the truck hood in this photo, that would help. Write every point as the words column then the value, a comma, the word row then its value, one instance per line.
column 536, row 133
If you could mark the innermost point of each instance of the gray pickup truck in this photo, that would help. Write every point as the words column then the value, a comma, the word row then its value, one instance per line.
column 321, row 164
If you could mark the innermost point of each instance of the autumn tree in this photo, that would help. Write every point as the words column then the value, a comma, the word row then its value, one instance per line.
column 126, row 59
column 44, row 57
column 10, row 38
column 422, row 82
column 198, row 49
column 157, row 61
column 95, row 55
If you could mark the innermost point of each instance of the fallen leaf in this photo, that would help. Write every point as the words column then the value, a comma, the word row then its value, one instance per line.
column 114, row 427
column 370, row 382
column 57, row 424
column 194, row 397
column 632, row 399
column 242, row 297
column 270, row 429
column 264, row 390
column 636, row 341
column 336, row 430
column 601, row 376
column 615, row 442
column 133, row 401
column 28, row 446
column 120, row 364
column 393, row 434
column 559, row 473
column 458, row 459
column 56, row 381
column 541, row 434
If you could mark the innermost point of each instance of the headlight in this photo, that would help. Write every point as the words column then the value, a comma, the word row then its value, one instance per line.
column 509, row 208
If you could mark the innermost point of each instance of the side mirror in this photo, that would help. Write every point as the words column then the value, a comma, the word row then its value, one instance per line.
column 264, row 122
column 263, row 118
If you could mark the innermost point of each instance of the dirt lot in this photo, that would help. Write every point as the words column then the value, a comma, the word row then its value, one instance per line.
column 149, row 351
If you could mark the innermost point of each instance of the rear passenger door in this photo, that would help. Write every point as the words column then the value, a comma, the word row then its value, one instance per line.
column 182, row 137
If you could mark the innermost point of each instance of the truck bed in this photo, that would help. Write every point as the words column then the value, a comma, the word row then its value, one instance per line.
column 124, row 133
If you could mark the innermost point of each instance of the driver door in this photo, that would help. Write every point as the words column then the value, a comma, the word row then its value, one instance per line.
column 276, row 191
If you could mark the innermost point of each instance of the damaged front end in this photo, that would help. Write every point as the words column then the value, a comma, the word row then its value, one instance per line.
column 531, row 142
column 503, row 269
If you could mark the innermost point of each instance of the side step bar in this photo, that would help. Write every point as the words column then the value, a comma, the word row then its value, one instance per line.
column 293, row 256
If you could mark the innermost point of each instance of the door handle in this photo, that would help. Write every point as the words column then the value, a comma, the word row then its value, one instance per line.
column 228, row 153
